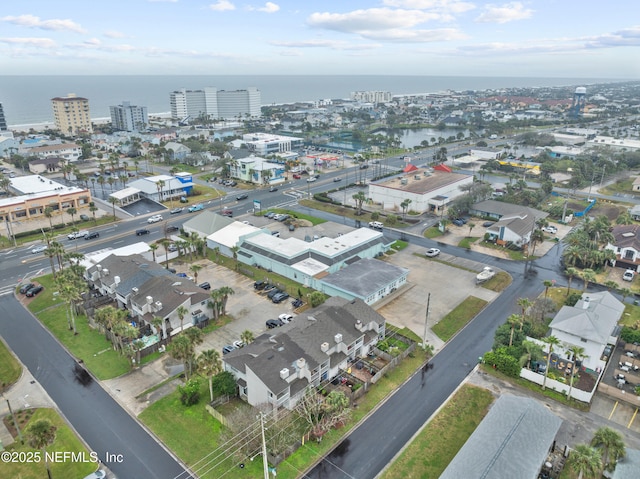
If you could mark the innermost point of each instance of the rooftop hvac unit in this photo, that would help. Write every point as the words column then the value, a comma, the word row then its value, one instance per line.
column 284, row 373
column 134, row 289
column 116, row 279
column 338, row 338
column 300, row 363
column 403, row 181
column 149, row 299
column 324, row 347
column 99, row 267
column 105, row 271
column 158, row 305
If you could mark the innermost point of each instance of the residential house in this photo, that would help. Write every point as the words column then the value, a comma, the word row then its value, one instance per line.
column 635, row 212
column 278, row 367
column 626, row 244
column 515, row 223
column 45, row 165
column 171, row 187
column 177, row 151
column 257, row 170
column 590, row 324
column 67, row 151
column 513, row 440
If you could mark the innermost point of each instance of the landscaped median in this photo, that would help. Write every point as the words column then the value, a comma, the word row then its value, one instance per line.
column 458, row 318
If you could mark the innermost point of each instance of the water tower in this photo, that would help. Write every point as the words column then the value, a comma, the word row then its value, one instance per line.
column 579, row 100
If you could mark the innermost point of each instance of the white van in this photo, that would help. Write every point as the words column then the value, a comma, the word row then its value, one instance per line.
column 375, row 224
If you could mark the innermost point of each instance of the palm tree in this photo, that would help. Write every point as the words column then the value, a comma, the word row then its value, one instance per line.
column 209, row 365
column 159, row 324
column 588, row 276
column 48, row 213
column 93, row 208
column 513, row 320
column 195, row 268
column 552, row 341
column 246, row 337
column 359, row 198
column 159, row 185
column 533, row 350
column 225, row 291
column 405, row 205
column 571, row 273
column 577, row 353
column 547, row 284
column 101, row 183
column 165, row 242
column 215, row 302
column 181, row 349
column 234, row 251
column 41, row 434
column 612, row 447
column 525, row 304
column 72, row 212
column 625, row 292
column 154, row 247
column 182, row 311
column 113, row 202
column 585, row 461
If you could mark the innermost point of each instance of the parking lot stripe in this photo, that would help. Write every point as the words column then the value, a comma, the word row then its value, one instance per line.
column 613, row 410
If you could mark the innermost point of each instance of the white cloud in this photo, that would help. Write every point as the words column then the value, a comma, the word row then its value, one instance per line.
column 35, row 42
column 114, row 34
column 372, row 19
column 222, row 5
column 269, row 7
column 453, row 6
column 93, row 41
column 31, row 21
column 621, row 38
column 508, row 12
column 331, row 44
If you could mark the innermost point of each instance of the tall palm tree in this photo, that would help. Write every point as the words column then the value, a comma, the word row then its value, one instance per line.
column 552, row 341
column 359, row 198
column 571, row 273
column 513, row 320
column 159, row 185
column 159, row 324
column 195, row 268
column 611, row 445
column 41, row 434
column 585, row 461
column 588, row 276
column 93, row 208
column 48, row 213
column 234, row 251
column 181, row 349
column 209, row 365
column 215, row 302
column 532, row 351
column 578, row 354
column 72, row 212
column 225, row 291
column 165, row 242
column 247, row 337
column 113, row 200
column 182, row 311
column 154, row 247
column 547, row 284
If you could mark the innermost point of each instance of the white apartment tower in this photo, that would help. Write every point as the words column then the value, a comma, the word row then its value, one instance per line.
column 372, row 96
column 214, row 103
column 71, row 114
column 127, row 117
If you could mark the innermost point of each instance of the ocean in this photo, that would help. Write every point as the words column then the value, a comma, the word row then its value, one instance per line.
column 26, row 100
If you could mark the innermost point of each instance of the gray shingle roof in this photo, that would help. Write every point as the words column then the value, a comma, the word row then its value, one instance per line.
column 627, row 236
column 365, row 277
column 511, row 442
column 207, row 222
column 501, row 208
column 628, row 467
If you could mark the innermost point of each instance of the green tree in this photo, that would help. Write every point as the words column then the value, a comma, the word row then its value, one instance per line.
column 525, row 304
column 513, row 321
column 182, row 350
column 41, row 434
column 578, row 354
column 588, row 276
column 611, row 446
column 182, row 311
column 195, row 268
column 316, row 298
column 585, row 461
column 359, row 198
column 246, row 337
column 209, row 365
column 113, row 202
column 570, row 273
column 405, row 205
column 552, row 342
column 72, row 212
column 547, row 284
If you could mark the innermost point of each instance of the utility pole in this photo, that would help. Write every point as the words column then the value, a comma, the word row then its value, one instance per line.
column 426, row 321
column 15, row 423
column 264, row 448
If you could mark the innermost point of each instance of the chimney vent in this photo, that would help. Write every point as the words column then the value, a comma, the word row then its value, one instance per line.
column 284, row 373
column 324, row 347
column 338, row 338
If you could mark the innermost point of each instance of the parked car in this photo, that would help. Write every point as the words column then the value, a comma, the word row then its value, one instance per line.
column 26, row 287
column 268, row 287
column 432, row 252
column 270, row 215
column 278, row 298
column 296, row 303
column 238, row 344
column 227, row 349
column 292, row 227
column 550, row 229
column 39, row 249
column 375, row 225
column 276, row 234
column 205, row 285
column 84, row 217
column 243, row 196
column 154, row 219
column 458, row 222
column 171, row 229
column 172, row 247
column 175, row 211
column 92, row 235
column 198, row 207
column 273, row 292
column 273, row 323
column 77, row 234
column 296, row 176
column 629, row 275
column 260, row 284
column 286, row 317
column 141, row 232
column 486, row 224
column 33, row 291
column 283, row 217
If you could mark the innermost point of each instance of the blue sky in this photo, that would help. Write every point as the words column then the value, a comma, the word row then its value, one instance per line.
column 541, row 38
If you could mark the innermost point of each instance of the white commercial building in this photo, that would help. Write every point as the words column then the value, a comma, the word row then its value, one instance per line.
column 267, row 144
column 214, row 103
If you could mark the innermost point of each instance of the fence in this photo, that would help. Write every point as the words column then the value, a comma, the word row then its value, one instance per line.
column 393, row 361
column 578, row 214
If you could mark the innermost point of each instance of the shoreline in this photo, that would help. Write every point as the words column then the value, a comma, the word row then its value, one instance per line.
column 98, row 121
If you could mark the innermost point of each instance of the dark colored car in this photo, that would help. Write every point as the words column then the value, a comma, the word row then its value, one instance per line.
column 35, row 290
column 268, row 287
column 171, row 229
column 243, row 196
column 273, row 323
column 205, row 285
column 92, row 235
column 272, row 189
column 260, row 284
column 458, row 222
column 228, row 213
column 273, row 292
column 486, row 224
column 227, row 349
column 336, row 179
column 142, row 232
column 84, row 217
column 26, row 287
column 297, row 303
column 278, row 298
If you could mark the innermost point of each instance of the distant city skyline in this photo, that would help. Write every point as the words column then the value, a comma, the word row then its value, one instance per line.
column 544, row 38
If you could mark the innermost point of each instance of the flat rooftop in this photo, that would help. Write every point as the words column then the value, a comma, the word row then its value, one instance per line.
column 422, row 181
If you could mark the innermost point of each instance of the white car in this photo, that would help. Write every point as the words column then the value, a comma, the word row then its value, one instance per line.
column 286, row 317
column 628, row 275
column 77, row 234
column 39, row 249
column 550, row 229
column 432, row 252
column 155, row 219
column 311, row 179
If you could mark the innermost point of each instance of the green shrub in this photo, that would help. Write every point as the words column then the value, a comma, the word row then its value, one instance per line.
column 572, row 299
column 503, row 362
column 629, row 335
column 190, row 392
column 223, row 384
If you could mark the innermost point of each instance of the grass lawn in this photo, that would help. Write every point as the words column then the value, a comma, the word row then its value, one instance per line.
column 65, row 441
column 559, row 295
column 442, row 437
column 630, row 317
column 432, row 232
column 194, row 435
column 467, row 241
column 399, row 245
column 458, row 318
column 314, row 220
column 10, row 368
column 498, row 283
column 512, row 254
column 89, row 344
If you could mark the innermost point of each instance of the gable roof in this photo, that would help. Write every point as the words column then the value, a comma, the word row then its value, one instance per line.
column 409, row 168
column 520, row 225
column 594, row 317
column 626, row 236
column 512, row 441
column 365, row 277
column 501, row 208
column 207, row 222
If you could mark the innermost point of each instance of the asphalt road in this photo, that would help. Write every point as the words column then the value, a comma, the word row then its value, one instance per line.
column 121, row 443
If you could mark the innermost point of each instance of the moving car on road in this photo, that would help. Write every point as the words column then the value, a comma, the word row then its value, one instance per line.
column 198, row 207
column 39, row 249
column 77, row 234
column 92, row 235
column 432, row 252
column 141, row 232
column 175, row 211
column 243, row 196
